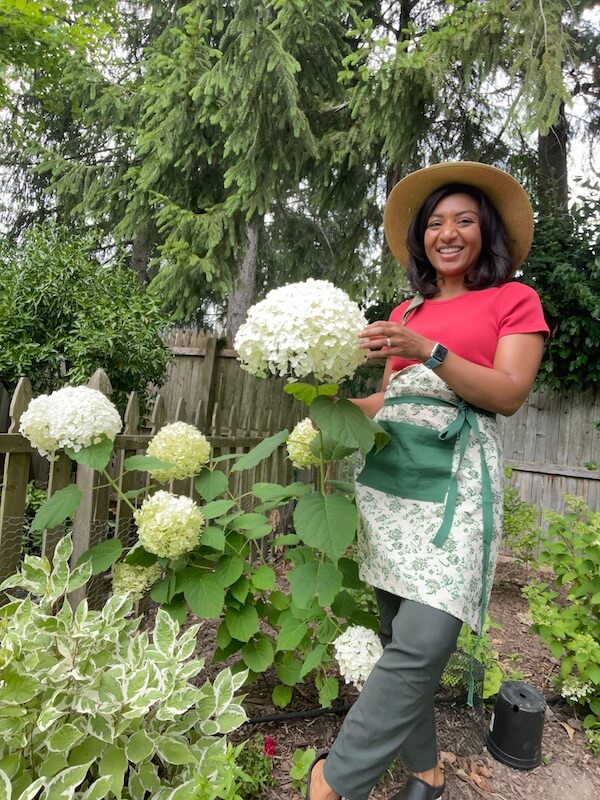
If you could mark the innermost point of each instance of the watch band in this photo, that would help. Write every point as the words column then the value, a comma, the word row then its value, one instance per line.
column 437, row 356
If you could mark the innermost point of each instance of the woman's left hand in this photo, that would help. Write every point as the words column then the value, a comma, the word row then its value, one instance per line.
column 383, row 339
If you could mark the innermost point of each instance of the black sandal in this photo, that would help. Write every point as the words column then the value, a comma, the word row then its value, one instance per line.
column 416, row 789
column 320, row 757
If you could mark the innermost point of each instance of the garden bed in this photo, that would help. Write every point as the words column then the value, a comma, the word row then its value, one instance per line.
column 568, row 770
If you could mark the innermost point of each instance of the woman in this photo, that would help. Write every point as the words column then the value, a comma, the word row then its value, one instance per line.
column 466, row 348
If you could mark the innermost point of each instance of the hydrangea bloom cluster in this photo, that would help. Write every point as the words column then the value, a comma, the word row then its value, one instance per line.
column 357, row 650
column 575, row 690
column 168, row 525
column 302, row 329
column 183, row 446
column 298, row 445
column 74, row 416
column 133, row 579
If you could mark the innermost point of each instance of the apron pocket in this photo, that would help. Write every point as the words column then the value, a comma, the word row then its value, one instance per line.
column 415, row 464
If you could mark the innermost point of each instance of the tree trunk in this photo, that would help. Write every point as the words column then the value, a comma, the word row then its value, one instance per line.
column 140, row 255
column 553, row 188
column 242, row 292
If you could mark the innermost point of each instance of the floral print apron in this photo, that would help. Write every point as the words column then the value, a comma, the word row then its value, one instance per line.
column 431, row 507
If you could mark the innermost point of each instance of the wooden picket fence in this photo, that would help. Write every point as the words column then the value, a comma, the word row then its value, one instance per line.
column 101, row 512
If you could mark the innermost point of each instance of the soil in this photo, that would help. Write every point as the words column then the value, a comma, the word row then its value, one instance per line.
column 568, row 769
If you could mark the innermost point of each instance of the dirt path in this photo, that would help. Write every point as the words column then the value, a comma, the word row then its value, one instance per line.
column 568, row 772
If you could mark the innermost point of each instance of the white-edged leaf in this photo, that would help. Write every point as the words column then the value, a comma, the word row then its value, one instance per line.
column 98, row 790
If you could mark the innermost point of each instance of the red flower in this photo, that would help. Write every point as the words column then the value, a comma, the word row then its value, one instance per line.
column 269, row 747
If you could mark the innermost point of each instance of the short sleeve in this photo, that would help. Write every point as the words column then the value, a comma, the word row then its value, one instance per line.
column 521, row 311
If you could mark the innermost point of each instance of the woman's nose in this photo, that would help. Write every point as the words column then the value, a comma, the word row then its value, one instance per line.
column 448, row 231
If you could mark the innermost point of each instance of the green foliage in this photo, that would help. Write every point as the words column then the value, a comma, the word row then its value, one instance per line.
column 91, row 706
column 482, row 649
column 256, row 760
column 564, row 268
column 568, row 618
column 521, row 532
column 302, row 760
column 63, row 315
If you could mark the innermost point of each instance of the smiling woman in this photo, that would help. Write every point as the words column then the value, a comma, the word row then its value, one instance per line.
column 466, row 347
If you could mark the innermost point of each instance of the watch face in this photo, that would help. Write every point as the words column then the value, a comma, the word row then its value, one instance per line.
column 439, row 352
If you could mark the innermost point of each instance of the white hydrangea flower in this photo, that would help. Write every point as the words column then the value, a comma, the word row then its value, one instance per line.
column 298, row 445
column 168, row 525
column 357, row 650
column 181, row 445
column 133, row 579
column 302, row 329
column 74, row 416
column 575, row 690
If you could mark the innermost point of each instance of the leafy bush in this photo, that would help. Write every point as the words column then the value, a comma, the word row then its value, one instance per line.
column 63, row 315
column 564, row 268
column 571, row 629
column 521, row 532
column 90, row 707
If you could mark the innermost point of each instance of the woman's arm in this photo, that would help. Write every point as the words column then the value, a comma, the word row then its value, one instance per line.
column 502, row 388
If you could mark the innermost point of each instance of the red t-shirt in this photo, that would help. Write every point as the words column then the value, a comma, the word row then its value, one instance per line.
column 471, row 324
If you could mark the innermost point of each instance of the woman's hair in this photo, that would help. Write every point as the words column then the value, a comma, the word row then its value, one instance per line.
column 494, row 265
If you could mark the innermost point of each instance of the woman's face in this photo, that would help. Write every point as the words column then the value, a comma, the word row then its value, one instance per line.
column 452, row 237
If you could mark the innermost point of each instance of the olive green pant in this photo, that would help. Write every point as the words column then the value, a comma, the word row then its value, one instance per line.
column 394, row 714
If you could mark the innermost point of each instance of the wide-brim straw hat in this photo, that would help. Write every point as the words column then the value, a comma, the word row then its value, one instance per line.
column 502, row 190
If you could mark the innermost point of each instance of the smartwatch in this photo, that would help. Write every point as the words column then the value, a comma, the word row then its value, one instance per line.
column 437, row 356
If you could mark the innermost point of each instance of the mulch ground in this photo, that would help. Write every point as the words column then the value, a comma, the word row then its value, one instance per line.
column 568, row 770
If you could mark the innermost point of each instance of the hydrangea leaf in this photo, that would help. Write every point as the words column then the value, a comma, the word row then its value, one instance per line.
column 102, row 555
column 229, row 569
column 328, row 692
column 281, row 695
column 177, row 609
column 242, row 623
column 307, row 392
column 326, row 522
column 140, row 558
column 274, row 491
column 145, row 463
column 313, row 660
column 216, row 508
column 303, row 583
column 95, row 456
column 261, row 451
column 211, row 483
column 344, row 423
column 213, row 537
column 287, row 669
column 205, row 597
column 258, row 653
column 291, row 631
column 263, row 578
column 57, row 509
column 329, row 582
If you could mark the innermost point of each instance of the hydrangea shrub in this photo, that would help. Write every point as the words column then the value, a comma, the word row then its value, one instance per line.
column 92, row 707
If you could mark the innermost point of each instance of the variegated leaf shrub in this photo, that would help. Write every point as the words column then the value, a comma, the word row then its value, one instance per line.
column 93, row 707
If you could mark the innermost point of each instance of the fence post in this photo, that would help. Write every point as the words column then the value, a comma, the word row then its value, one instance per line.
column 127, row 480
column 59, row 477
column 91, row 516
column 14, row 488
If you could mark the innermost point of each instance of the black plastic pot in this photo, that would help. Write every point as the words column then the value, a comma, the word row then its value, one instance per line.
column 515, row 732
